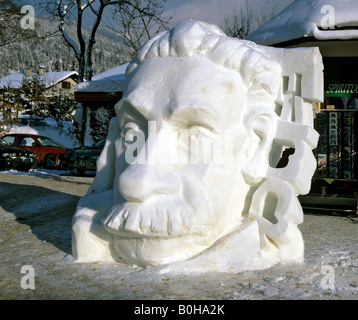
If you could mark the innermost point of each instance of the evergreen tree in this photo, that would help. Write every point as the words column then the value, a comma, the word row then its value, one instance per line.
column 34, row 97
column 10, row 107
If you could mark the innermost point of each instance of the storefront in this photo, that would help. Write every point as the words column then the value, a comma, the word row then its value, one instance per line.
column 335, row 183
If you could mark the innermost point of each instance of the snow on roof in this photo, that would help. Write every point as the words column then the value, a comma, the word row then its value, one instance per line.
column 13, row 80
column 311, row 18
column 112, row 80
column 49, row 79
column 52, row 78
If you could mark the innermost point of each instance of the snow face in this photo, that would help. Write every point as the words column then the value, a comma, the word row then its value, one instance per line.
column 188, row 175
column 311, row 18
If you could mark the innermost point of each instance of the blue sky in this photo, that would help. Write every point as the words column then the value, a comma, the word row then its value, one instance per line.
column 212, row 11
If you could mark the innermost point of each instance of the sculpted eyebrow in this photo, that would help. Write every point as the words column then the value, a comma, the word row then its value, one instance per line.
column 198, row 115
column 128, row 112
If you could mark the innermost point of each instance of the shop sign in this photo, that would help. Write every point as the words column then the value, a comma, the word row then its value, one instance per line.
column 342, row 90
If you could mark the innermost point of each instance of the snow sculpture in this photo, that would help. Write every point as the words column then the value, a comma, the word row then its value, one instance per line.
column 188, row 178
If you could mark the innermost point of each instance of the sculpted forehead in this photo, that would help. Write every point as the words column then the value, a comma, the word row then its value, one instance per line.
column 160, row 86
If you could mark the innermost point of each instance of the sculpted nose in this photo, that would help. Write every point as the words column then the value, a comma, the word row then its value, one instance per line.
column 142, row 181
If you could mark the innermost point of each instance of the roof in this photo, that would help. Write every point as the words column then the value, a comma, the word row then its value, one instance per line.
column 110, row 81
column 52, row 78
column 311, row 19
column 49, row 79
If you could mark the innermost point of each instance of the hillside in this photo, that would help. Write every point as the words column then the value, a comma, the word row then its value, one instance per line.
column 54, row 54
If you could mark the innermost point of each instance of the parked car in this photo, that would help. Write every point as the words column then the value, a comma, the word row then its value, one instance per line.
column 49, row 152
column 16, row 158
column 33, row 121
column 85, row 158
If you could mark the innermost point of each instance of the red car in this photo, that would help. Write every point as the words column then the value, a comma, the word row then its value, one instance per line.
column 47, row 150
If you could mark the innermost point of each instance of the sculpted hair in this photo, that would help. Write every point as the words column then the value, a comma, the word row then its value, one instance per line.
column 261, row 75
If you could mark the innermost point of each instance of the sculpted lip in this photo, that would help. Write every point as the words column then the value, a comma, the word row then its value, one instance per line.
column 170, row 217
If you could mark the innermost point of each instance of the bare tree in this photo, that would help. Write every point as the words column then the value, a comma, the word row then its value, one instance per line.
column 68, row 12
column 242, row 21
column 74, row 11
column 263, row 17
column 136, row 27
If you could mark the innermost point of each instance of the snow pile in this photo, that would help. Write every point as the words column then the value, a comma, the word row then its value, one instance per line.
column 311, row 18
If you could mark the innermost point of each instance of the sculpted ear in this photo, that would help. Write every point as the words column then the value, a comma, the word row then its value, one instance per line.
column 261, row 124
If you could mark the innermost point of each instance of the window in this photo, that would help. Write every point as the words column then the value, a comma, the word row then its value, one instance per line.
column 66, row 85
column 47, row 142
column 9, row 139
column 27, row 142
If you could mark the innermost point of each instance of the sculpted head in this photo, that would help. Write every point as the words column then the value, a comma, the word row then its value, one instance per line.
column 197, row 135
column 186, row 189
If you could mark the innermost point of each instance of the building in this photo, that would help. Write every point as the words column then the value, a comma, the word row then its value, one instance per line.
column 26, row 94
column 332, row 26
column 105, row 87
column 55, row 82
column 97, row 98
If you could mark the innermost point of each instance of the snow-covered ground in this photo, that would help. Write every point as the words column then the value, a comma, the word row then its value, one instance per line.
column 36, row 210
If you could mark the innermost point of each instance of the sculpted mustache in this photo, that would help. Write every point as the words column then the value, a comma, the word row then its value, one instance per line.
column 171, row 217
